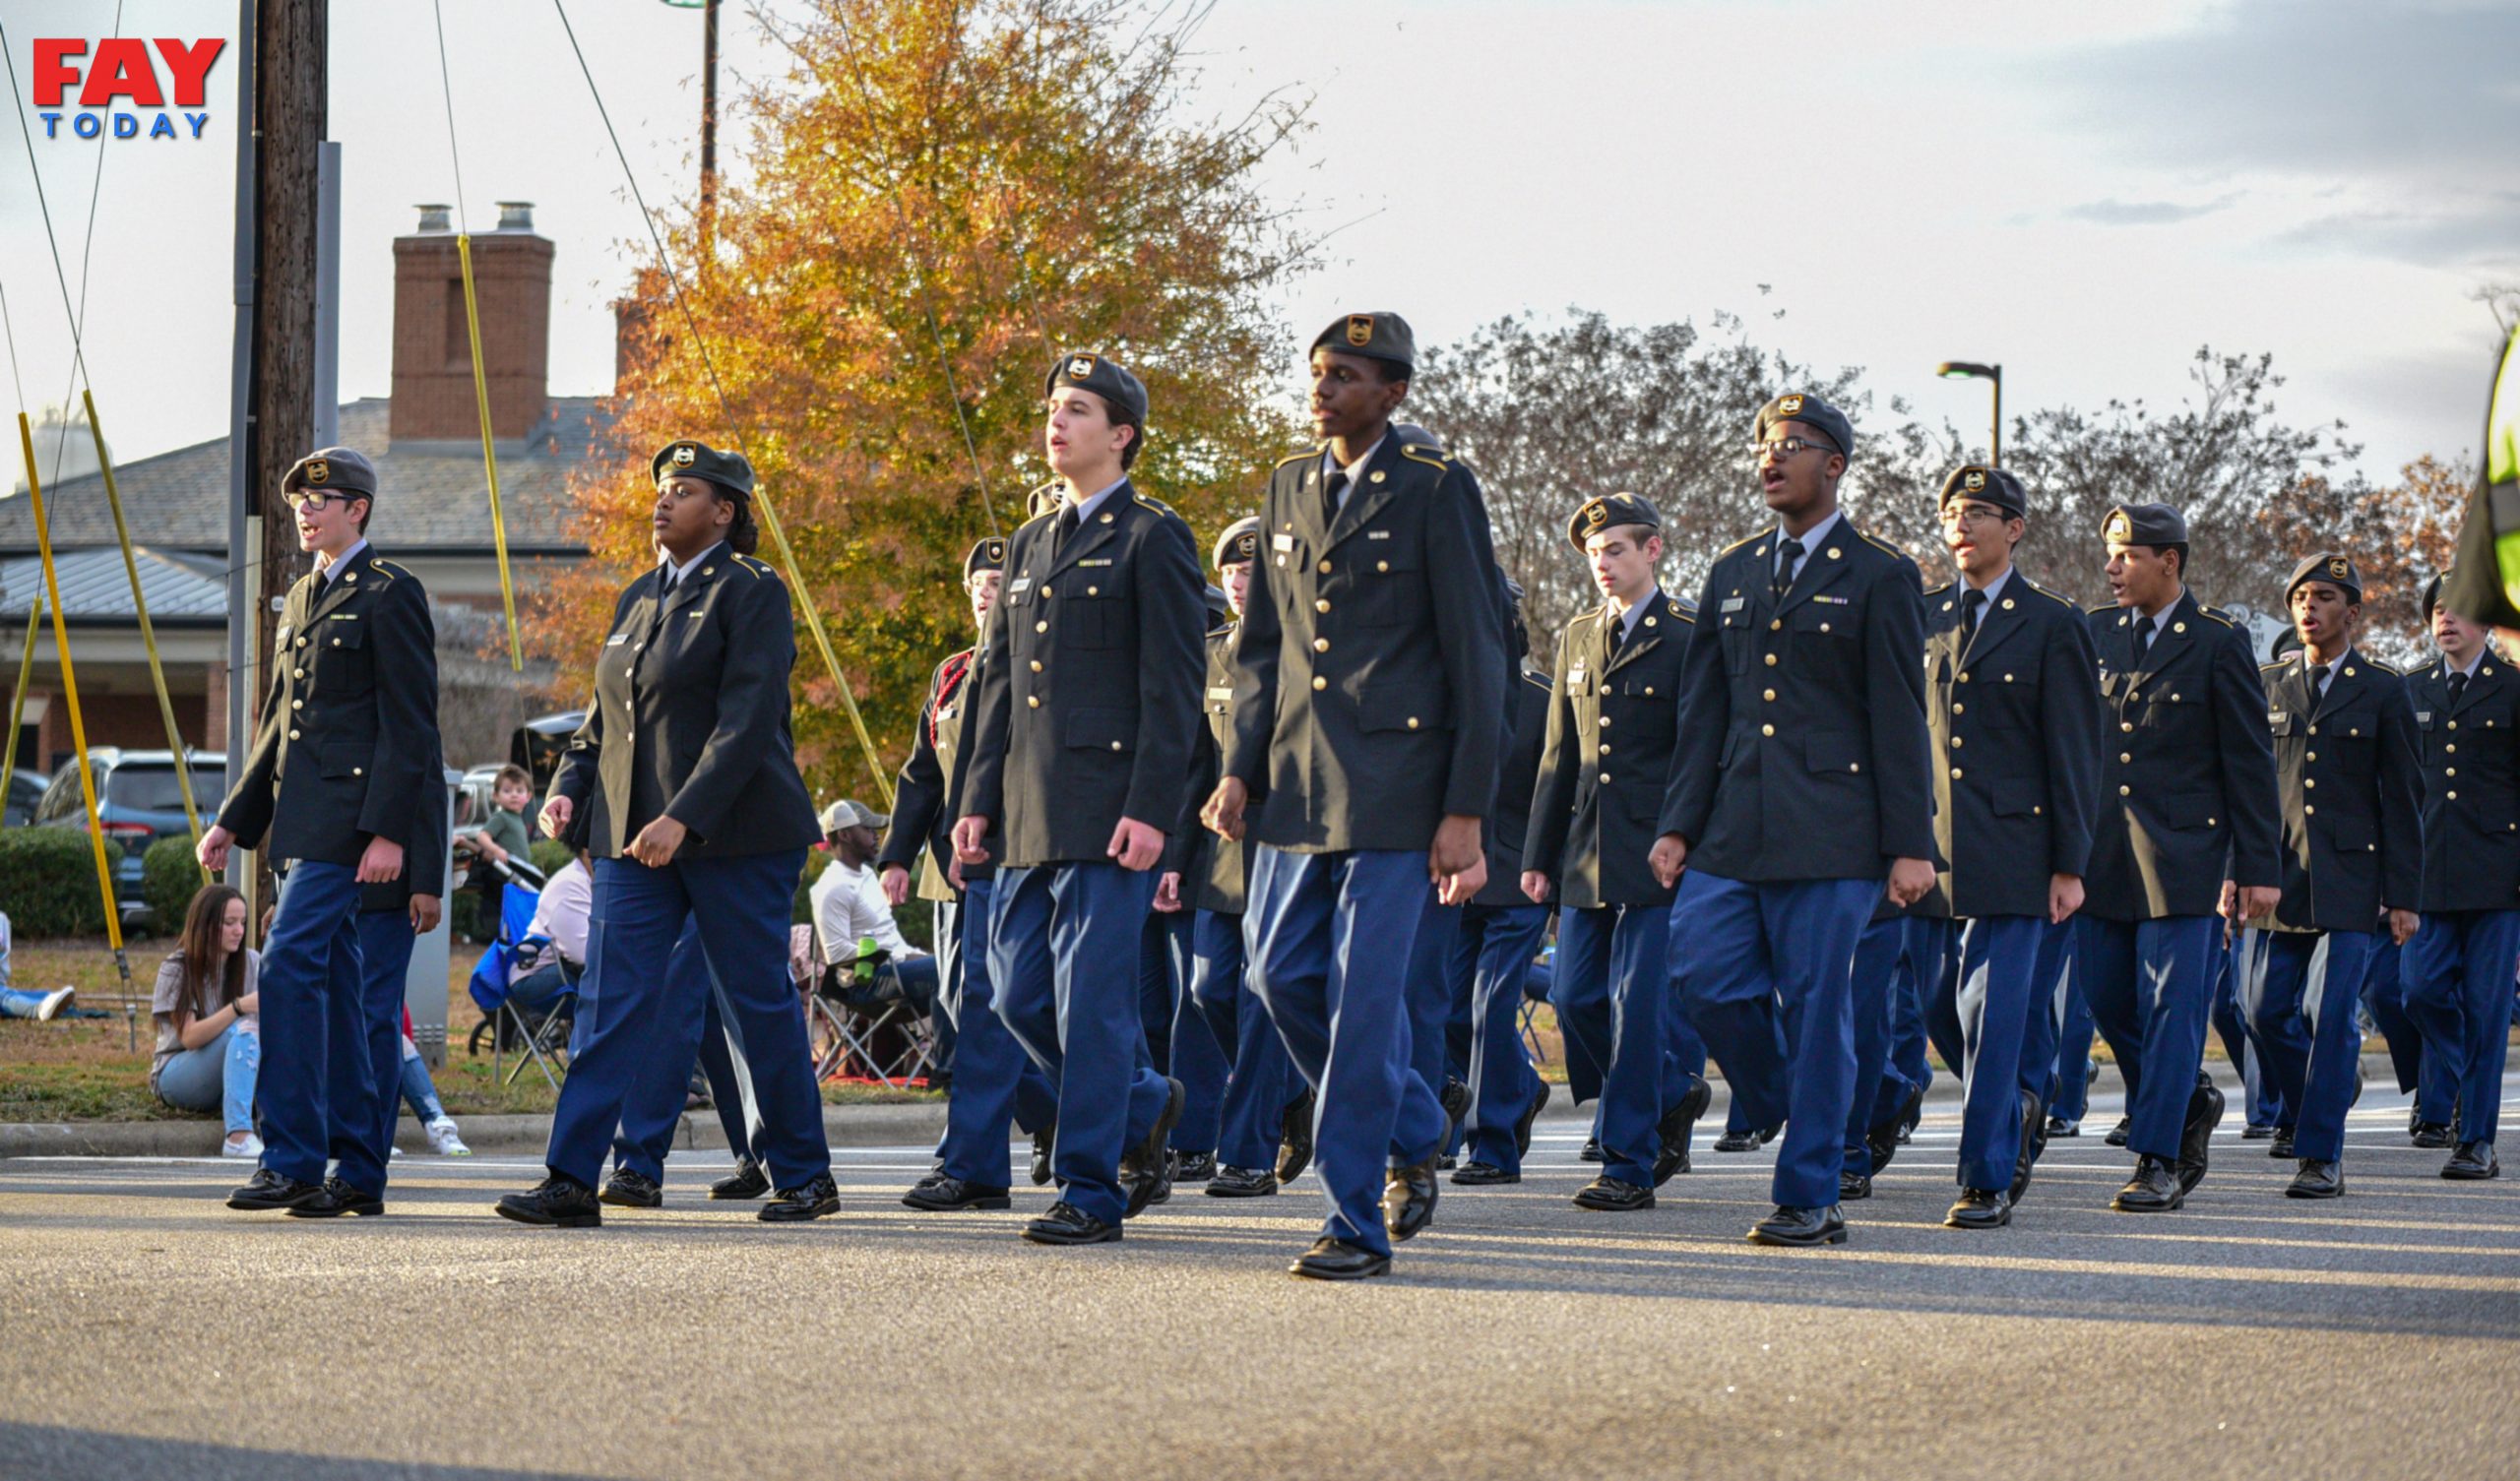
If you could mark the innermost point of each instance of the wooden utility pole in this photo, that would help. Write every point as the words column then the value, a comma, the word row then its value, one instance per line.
column 289, row 127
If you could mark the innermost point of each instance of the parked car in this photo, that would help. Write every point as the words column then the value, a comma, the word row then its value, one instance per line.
column 536, row 744
column 25, row 789
column 139, row 801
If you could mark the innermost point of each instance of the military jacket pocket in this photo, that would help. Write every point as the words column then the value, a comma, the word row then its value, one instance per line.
column 1385, row 583
column 1103, row 729
column 1402, row 705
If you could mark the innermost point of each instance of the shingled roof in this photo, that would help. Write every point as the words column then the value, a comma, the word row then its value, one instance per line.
column 431, row 496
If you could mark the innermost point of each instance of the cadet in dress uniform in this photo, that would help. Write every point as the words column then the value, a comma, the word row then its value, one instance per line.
column 683, row 785
column 1261, row 1084
column 1370, row 680
column 347, row 744
column 2458, row 970
column 2351, row 849
column 392, row 918
column 1799, row 793
column 1501, row 930
column 2186, row 804
column 1080, row 747
column 1613, row 720
column 996, row 1083
column 2016, row 742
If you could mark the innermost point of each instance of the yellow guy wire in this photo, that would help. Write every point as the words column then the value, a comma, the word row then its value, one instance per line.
column 70, row 696
column 18, row 709
column 821, row 642
column 148, row 635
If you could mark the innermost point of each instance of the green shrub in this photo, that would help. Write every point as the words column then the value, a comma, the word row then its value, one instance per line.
column 169, row 877
column 548, row 855
column 48, row 881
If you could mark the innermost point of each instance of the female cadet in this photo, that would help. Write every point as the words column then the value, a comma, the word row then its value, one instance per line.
column 682, row 785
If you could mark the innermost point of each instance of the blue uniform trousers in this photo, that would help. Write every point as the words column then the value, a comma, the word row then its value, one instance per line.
column 648, row 1119
column 1179, row 1038
column 1330, row 944
column 1261, row 1081
column 2384, row 994
column 1499, row 942
column 2458, row 971
column 1431, row 998
column 1873, row 980
column 2307, row 1024
column 2008, row 965
column 2265, row 1105
column 317, row 1071
column 385, row 942
column 627, row 1004
column 1063, row 952
column 1932, row 952
column 2056, row 951
column 1612, row 984
column 2151, row 988
column 2069, row 1095
column 995, row 1084
column 1772, row 961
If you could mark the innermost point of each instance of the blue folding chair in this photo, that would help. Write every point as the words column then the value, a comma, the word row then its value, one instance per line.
column 540, row 1033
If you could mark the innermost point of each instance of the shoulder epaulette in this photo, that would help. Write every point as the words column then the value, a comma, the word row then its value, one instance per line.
column 2105, row 606
column 2058, row 597
column 2203, row 610
column 387, row 568
column 1738, row 544
column 1884, row 546
column 1312, row 452
column 1433, row 458
column 2384, row 666
column 1215, row 632
column 1151, row 501
column 2277, row 664
column 1938, row 590
column 1538, row 681
column 1681, row 609
column 1037, row 518
column 752, row 566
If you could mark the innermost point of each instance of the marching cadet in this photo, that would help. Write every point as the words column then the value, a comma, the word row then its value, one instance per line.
column 2187, row 804
column 393, row 916
column 1500, row 933
column 682, row 785
column 2458, row 969
column 2016, row 724
column 1613, row 720
column 347, row 747
column 1261, row 1085
column 995, row 1084
column 1365, row 719
column 2351, row 780
column 1086, row 703
column 1798, row 792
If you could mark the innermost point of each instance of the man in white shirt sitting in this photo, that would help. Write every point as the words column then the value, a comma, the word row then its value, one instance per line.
column 561, row 917
column 849, row 901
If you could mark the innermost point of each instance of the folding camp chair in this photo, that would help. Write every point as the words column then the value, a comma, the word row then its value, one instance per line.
column 861, row 1022
column 538, row 1035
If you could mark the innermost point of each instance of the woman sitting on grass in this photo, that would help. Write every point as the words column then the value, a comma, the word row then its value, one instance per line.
column 208, row 1046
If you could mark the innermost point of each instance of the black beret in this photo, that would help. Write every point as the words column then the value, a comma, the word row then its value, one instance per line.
column 685, row 458
column 2144, row 524
column 1239, row 542
column 1104, row 377
column 1812, row 412
column 988, row 555
column 1376, row 337
column 1607, row 511
column 331, row 471
column 2432, row 591
column 2335, row 570
column 1988, row 486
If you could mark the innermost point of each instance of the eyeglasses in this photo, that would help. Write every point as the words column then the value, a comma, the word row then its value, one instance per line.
column 309, row 498
column 1787, row 446
column 1973, row 514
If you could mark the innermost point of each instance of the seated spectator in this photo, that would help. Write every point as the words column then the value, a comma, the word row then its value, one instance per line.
column 561, row 917
column 422, row 1096
column 503, row 835
column 209, row 1047
column 849, row 901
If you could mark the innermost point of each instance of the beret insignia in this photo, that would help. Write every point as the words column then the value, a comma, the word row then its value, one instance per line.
column 1360, row 330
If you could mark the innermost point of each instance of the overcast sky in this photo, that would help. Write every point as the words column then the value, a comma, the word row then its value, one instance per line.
column 2085, row 192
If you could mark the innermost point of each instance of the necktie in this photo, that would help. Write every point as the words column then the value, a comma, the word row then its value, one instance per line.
column 1331, row 491
column 1787, row 555
column 2144, row 627
column 1972, row 604
column 2318, row 682
column 2458, row 687
column 1065, row 527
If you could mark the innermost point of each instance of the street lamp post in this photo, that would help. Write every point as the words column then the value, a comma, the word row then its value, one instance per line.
column 708, row 111
column 1967, row 370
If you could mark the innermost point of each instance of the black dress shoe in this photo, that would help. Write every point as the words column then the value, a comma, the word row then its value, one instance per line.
column 747, row 1181
column 2033, row 1144
column 2196, row 1137
column 1455, row 1100
column 1592, row 1151
column 2059, row 1126
column 1295, row 1140
column 267, row 1190
column 2154, row 1190
column 2473, row 1162
column 630, row 1189
column 1043, row 1140
column 1408, row 1199
column 1145, row 1168
column 1447, row 1162
column 1675, row 1127
column 2118, row 1134
column 1980, row 1209
column 1242, row 1183
column 954, row 1195
column 1483, row 1175
column 556, row 1203
column 339, row 1199
column 2255, row 1133
column 2433, row 1134
column 2317, row 1179
column 1737, row 1142
column 1853, row 1186
column 1066, row 1224
column 2282, row 1150
column 1338, row 1260
column 1798, row 1228
column 1523, row 1126
column 1193, row 1167
column 792, row 1206
column 1883, row 1137
column 1610, row 1196
column 2413, row 1119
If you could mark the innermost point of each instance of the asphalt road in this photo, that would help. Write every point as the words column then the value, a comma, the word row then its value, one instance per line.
column 145, row 1330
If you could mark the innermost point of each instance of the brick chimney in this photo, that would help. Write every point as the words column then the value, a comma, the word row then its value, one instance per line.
column 432, row 356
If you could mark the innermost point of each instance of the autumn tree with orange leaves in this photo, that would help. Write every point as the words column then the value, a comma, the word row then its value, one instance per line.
column 941, row 198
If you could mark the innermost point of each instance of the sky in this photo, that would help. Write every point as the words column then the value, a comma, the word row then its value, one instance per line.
column 2085, row 193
